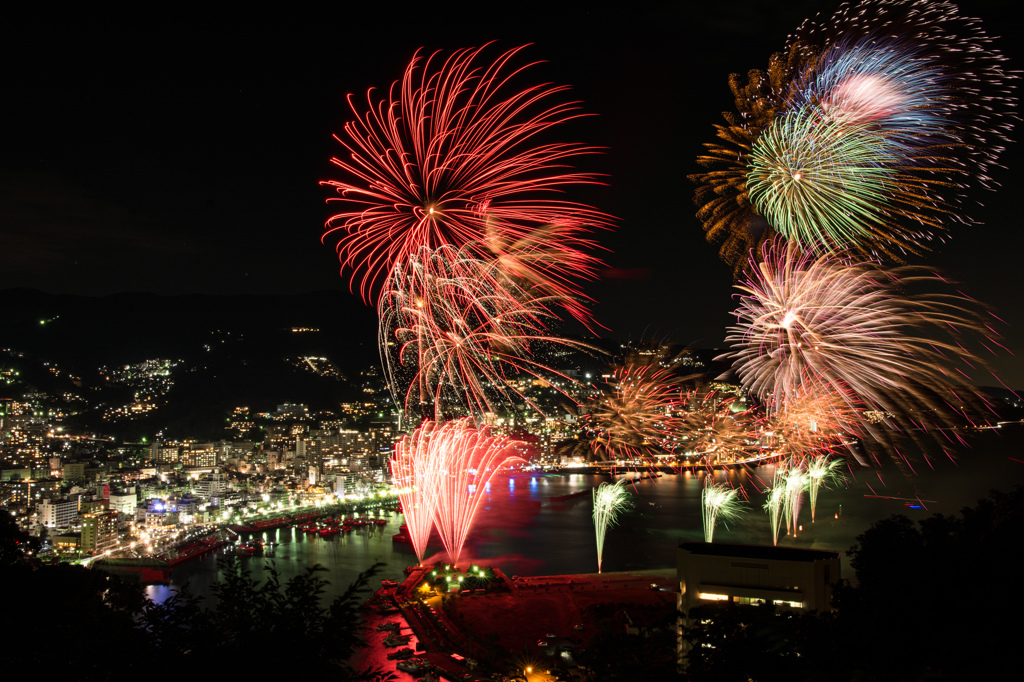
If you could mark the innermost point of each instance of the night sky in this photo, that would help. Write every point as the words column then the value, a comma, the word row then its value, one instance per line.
column 181, row 153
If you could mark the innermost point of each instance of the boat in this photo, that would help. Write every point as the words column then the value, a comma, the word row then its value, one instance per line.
column 390, row 625
column 401, row 654
column 146, row 571
column 402, row 535
column 185, row 552
column 396, row 640
column 271, row 523
column 414, row 666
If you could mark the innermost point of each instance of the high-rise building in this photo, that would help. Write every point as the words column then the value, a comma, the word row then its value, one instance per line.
column 164, row 454
column 200, row 455
column 99, row 531
column 74, row 471
column 212, row 486
column 275, row 459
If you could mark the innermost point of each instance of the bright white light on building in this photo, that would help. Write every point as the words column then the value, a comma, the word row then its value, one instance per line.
column 713, row 597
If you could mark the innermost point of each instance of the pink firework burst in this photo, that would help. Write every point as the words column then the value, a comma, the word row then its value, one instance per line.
column 454, row 156
column 465, row 458
column 457, row 331
column 855, row 330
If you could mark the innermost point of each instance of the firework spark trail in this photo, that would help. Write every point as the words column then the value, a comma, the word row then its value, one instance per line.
column 795, row 481
column 835, row 183
column 463, row 460
column 609, row 501
column 718, row 429
column 775, row 504
column 816, row 420
column 865, row 133
column 851, row 329
column 638, row 415
column 821, row 472
column 452, row 157
column 546, row 265
column 718, row 501
column 415, row 471
column 920, row 71
column 462, row 330
column 887, row 81
column 721, row 194
column 822, row 182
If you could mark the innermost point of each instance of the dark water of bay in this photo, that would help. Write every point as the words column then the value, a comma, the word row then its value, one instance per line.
column 524, row 531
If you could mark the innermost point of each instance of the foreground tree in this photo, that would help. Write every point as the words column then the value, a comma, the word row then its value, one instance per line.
column 71, row 622
column 249, row 618
column 932, row 596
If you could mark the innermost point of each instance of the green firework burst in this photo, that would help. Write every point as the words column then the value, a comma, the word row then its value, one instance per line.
column 821, row 181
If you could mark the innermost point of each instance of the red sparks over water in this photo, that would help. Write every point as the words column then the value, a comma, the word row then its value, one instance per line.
column 471, row 458
column 414, row 471
column 444, row 469
column 452, row 156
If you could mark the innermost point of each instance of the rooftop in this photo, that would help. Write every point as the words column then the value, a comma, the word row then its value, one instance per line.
column 757, row 551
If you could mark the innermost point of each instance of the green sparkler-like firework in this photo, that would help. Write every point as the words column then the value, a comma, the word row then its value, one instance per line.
column 820, row 181
column 609, row 500
column 795, row 480
column 774, row 505
column 821, row 471
column 718, row 502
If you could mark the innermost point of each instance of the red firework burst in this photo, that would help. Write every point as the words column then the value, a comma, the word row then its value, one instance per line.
column 452, row 156
column 460, row 333
column 470, row 458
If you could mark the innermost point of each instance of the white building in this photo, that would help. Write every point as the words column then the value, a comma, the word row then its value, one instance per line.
column 124, row 503
column 57, row 513
column 211, row 487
